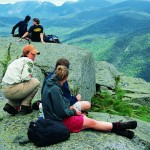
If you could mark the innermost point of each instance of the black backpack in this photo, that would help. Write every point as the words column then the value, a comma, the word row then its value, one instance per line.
column 51, row 39
column 47, row 132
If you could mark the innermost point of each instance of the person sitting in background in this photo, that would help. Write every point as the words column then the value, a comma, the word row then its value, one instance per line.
column 35, row 31
column 18, row 85
column 56, row 106
column 22, row 27
column 75, row 101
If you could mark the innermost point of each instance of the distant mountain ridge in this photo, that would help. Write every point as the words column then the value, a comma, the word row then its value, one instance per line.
column 42, row 9
column 117, row 33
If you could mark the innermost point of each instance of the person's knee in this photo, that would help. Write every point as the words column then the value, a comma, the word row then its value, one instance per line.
column 86, row 105
column 36, row 82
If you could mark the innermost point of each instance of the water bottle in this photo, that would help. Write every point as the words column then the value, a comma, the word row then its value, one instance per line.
column 41, row 115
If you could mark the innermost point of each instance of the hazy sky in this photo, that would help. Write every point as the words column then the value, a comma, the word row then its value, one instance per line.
column 56, row 2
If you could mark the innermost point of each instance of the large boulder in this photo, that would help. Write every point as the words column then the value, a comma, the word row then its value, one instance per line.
column 108, row 78
column 82, row 68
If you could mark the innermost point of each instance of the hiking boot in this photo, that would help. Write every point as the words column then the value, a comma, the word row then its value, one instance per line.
column 35, row 105
column 128, row 125
column 124, row 125
column 10, row 109
column 25, row 110
column 126, row 133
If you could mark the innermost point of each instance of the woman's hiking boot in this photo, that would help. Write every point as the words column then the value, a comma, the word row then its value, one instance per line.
column 124, row 125
column 25, row 110
column 126, row 133
column 128, row 125
column 10, row 109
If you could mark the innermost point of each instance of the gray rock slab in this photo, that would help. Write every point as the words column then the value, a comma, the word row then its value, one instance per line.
column 106, row 74
column 82, row 66
column 137, row 89
column 13, row 129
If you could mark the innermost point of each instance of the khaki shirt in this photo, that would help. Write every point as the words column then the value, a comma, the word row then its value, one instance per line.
column 20, row 70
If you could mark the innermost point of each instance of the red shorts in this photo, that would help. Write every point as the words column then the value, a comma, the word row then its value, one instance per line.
column 74, row 123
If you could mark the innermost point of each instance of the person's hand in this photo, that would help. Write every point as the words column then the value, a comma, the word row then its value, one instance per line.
column 77, row 111
column 78, row 97
column 20, row 40
column 71, row 107
column 43, row 42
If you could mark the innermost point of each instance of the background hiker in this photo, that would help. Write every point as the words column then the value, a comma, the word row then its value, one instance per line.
column 18, row 85
column 57, row 107
column 22, row 27
column 35, row 31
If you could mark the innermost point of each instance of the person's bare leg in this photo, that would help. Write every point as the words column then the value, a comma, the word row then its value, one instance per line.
column 97, row 125
column 82, row 105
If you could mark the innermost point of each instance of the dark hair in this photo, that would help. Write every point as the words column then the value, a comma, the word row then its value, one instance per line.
column 61, row 72
column 63, row 62
column 36, row 20
column 24, row 54
column 27, row 18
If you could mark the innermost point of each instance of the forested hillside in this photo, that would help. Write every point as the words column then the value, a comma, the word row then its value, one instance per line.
column 115, row 32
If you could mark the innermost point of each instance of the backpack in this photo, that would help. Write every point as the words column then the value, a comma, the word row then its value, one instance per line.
column 51, row 39
column 47, row 132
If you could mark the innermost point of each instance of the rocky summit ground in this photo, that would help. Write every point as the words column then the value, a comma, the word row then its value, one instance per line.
column 13, row 130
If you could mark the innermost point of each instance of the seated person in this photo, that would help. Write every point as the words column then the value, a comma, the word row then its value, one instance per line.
column 56, row 106
column 36, row 32
column 75, row 101
column 22, row 27
column 18, row 85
